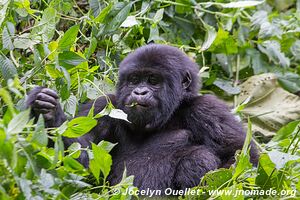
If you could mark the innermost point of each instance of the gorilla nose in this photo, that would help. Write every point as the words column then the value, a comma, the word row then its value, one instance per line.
column 141, row 91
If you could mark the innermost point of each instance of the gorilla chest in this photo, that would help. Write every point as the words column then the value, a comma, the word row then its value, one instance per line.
column 153, row 163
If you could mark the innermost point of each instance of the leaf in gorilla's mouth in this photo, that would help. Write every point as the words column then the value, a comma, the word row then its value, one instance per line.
column 137, row 104
column 133, row 104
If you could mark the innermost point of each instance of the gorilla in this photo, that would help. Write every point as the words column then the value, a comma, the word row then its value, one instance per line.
column 175, row 135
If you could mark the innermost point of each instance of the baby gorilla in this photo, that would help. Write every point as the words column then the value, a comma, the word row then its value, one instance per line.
column 175, row 135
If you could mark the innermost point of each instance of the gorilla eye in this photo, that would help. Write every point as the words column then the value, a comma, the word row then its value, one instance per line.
column 154, row 80
column 133, row 79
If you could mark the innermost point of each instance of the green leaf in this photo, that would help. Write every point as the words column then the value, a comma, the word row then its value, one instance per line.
column 70, row 59
column 19, row 122
column 243, row 160
column 3, row 7
column 273, row 50
column 129, row 22
column 46, row 27
column 6, row 39
column 66, row 42
column 210, row 36
column 7, row 100
column 118, row 114
column 290, row 82
column 286, row 131
column 158, row 16
column 118, row 19
column 40, row 136
column 7, row 68
column 280, row 158
column 74, row 150
column 72, row 164
column 107, row 146
column 71, row 105
column 215, row 179
column 154, row 33
column 79, row 126
column 184, row 6
column 101, row 162
column 103, row 13
column 240, row 4
column 224, row 43
column 227, row 86
column 93, row 45
column 25, row 41
column 95, row 7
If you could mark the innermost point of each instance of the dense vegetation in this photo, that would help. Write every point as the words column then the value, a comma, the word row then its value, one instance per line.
column 248, row 53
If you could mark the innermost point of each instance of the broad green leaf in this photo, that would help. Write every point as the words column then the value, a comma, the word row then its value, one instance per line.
column 19, row 122
column 7, row 68
column 71, row 105
column 6, row 39
column 101, row 162
column 210, row 36
column 273, row 50
column 119, row 18
column 257, row 63
column 46, row 179
column 95, row 7
column 3, row 7
column 26, row 41
column 290, row 82
column 215, row 179
column 69, row 38
column 224, row 43
column 79, row 126
column 89, row 51
column 4, row 94
column 70, row 59
column 184, row 6
column 129, row 22
column 227, row 86
column 103, row 13
column 154, row 33
column 259, row 18
column 241, row 4
column 118, row 114
column 243, row 159
column 158, row 16
column 72, row 164
column 286, row 131
column 46, row 27
column 107, row 146
column 238, row 4
column 74, row 150
column 40, row 136
column 280, row 158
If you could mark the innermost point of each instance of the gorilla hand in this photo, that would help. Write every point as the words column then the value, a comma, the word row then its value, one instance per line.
column 45, row 101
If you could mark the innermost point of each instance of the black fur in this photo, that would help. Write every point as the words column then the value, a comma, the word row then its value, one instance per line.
column 176, row 135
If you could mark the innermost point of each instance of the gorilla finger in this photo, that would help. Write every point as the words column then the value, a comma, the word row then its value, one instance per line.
column 43, row 104
column 50, row 92
column 42, row 110
column 48, row 116
column 46, row 98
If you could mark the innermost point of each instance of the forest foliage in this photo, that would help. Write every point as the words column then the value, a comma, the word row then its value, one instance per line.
column 248, row 53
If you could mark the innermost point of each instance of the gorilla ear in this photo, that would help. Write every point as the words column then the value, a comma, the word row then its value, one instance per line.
column 187, row 80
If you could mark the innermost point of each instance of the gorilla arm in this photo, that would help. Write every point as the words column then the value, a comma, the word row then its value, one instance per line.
column 45, row 101
column 213, row 125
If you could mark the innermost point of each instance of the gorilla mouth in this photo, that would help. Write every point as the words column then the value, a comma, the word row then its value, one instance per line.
column 137, row 104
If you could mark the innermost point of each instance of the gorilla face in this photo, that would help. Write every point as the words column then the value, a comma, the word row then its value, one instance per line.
column 143, row 97
column 153, row 81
